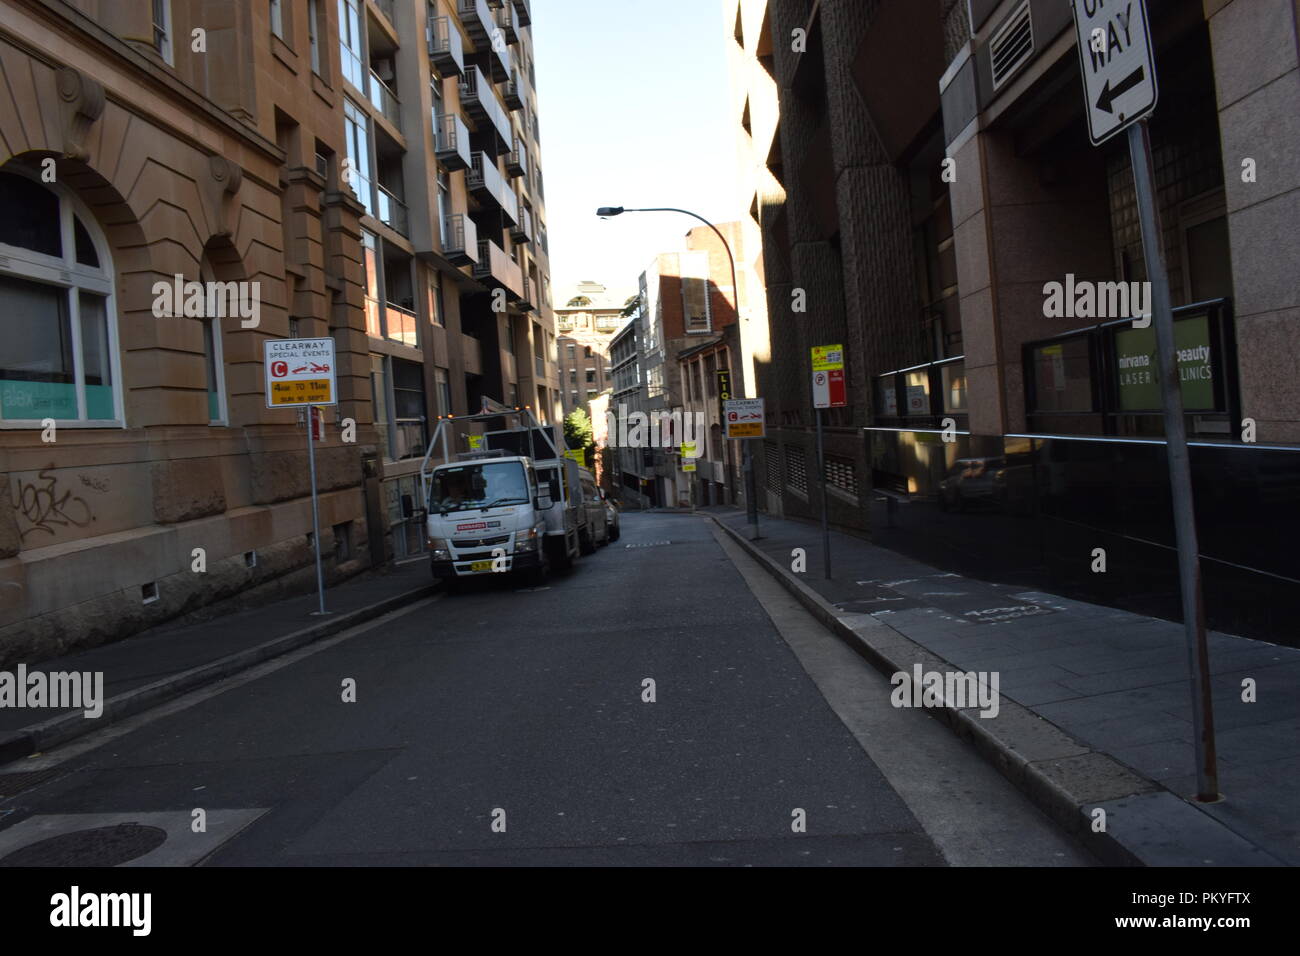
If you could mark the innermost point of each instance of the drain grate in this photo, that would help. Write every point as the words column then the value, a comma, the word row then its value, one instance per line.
column 648, row 544
column 14, row 783
column 101, row 846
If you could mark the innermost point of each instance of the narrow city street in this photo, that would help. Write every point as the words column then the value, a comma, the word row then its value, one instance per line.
column 506, row 726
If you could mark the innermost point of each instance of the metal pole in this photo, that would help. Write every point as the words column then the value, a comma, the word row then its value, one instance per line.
column 315, row 504
column 1180, row 472
column 826, row 531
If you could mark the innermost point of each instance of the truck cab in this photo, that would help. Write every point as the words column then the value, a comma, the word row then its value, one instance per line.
column 497, row 508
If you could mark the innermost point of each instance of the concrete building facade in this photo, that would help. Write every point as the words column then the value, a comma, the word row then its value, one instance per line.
column 264, row 145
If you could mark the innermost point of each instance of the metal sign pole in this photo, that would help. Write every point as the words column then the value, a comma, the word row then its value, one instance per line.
column 751, row 495
column 1180, row 473
column 315, row 504
column 826, row 531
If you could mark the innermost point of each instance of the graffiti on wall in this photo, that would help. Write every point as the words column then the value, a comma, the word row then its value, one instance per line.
column 44, row 506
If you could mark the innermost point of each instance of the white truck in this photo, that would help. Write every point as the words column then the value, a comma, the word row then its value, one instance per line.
column 512, row 503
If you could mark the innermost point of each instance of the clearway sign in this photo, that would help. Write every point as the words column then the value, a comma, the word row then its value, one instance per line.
column 1115, row 58
column 299, row 372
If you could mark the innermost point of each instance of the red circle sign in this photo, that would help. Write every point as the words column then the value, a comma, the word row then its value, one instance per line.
column 279, row 369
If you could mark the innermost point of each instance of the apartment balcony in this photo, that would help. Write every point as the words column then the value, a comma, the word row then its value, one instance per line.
column 522, row 230
column 386, row 7
column 526, row 303
column 452, row 142
column 460, row 240
column 446, row 49
column 496, row 268
column 401, row 325
column 385, row 100
column 392, row 212
column 480, row 101
column 506, row 21
column 471, row 354
column 478, row 20
column 487, row 185
column 523, row 16
column 517, row 160
column 514, row 93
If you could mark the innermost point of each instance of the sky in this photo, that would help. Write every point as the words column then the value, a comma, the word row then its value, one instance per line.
column 632, row 102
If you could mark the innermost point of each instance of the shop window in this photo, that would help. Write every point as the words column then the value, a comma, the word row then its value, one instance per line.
column 1062, row 376
column 57, row 318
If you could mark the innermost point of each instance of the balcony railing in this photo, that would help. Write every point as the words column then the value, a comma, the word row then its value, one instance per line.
column 481, row 102
column 446, row 49
column 526, row 303
column 506, row 21
column 386, row 7
column 514, row 94
column 486, row 183
column 392, row 212
column 522, row 230
column 400, row 325
column 517, row 161
column 477, row 18
column 452, row 142
column 523, row 16
column 385, row 100
column 498, row 268
column 460, row 240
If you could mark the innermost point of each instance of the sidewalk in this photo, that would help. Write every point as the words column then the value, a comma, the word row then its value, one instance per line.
column 162, row 663
column 1113, row 684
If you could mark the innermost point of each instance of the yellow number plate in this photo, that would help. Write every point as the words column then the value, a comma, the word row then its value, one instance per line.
column 481, row 566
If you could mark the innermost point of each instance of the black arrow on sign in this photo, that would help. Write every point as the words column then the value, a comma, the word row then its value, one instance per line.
column 1108, row 96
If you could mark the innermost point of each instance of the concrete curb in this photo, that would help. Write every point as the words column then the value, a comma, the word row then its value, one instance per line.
column 1064, row 777
column 57, row 730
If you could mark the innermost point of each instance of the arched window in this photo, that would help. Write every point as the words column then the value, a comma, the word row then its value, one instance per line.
column 213, row 358
column 58, row 328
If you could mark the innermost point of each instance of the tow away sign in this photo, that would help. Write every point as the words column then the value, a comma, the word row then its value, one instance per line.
column 745, row 418
column 1115, row 58
column 299, row 372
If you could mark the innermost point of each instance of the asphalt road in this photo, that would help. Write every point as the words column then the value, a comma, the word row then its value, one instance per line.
column 505, row 726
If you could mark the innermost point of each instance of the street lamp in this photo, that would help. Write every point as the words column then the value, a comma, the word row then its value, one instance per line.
column 751, row 499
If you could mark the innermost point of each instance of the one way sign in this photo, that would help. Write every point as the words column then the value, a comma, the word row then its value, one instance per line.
column 1119, row 74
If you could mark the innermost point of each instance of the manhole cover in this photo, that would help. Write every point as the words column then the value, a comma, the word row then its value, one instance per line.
column 101, row 846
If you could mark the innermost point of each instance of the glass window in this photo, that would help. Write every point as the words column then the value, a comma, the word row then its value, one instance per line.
column 435, row 299
column 57, row 328
column 370, row 253
column 212, row 363
column 886, row 397
column 352, row 43
column 444, row 391
column 277, row 19
column 356, row 132
column 954, row 387
column 1063, row 376
column 313, row 33
column 162, row 29
column 917, row 385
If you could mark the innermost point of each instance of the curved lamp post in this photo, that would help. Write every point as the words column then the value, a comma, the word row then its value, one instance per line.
column 751, row 500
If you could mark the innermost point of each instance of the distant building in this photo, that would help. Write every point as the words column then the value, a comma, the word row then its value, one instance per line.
column 586, row 323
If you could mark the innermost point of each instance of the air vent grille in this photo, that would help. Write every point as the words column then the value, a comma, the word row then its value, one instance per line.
column 1012, row 46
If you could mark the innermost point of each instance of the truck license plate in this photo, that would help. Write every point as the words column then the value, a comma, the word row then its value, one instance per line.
column 477, row 566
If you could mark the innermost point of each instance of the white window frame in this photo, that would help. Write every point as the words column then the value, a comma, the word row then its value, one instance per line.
column 67, row 274
column 166, row 48
column 218, row 357
column 277, row 18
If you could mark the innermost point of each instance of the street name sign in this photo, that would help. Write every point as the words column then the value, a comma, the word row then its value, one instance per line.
column 1117, row 64
column 745, row 418
column 299, row 372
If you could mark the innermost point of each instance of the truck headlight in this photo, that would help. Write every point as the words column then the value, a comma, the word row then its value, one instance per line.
column 526, row 540
column 439, row 549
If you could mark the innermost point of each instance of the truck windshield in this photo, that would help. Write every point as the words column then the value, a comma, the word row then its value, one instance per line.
column 480, row 485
